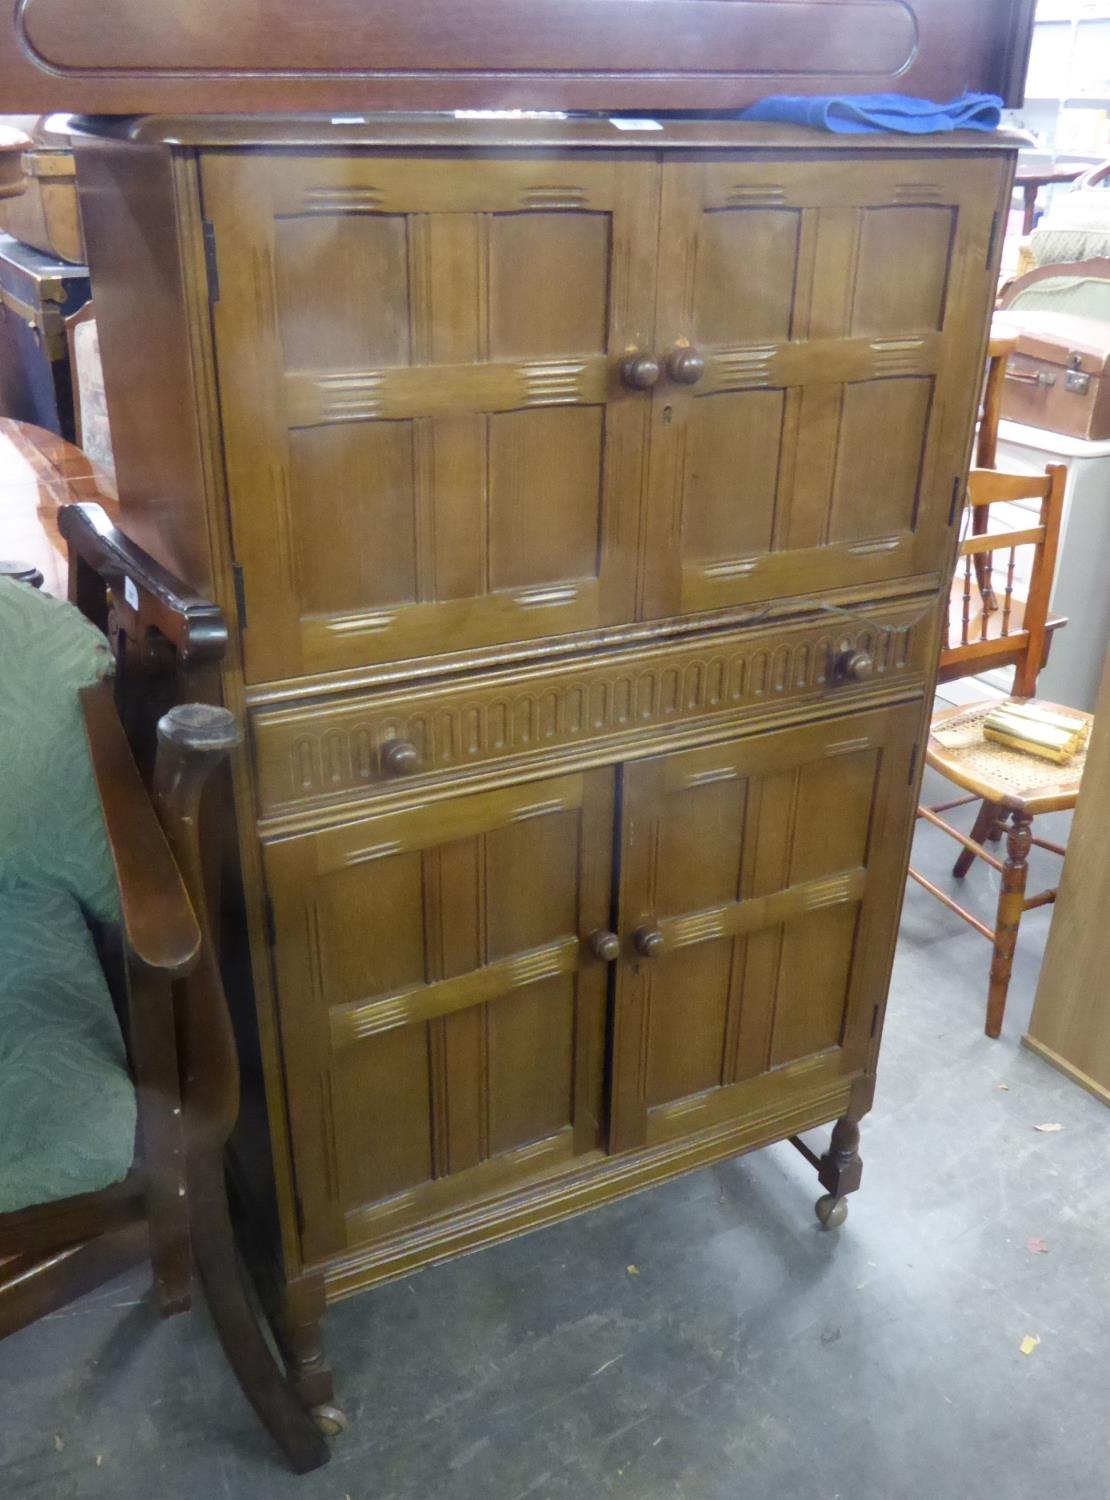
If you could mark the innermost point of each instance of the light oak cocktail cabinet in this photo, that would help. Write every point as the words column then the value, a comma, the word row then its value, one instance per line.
column 579, row 501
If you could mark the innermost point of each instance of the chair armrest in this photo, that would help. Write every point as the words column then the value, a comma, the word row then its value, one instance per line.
column 146, row 597
column 159, row 926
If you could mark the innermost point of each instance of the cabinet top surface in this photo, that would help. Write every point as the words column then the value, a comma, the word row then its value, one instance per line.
column 467, row 133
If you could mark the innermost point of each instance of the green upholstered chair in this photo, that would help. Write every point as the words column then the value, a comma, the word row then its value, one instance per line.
column 118, row 1074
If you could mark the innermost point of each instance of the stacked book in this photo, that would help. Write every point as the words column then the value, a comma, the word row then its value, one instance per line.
column 1036, row 730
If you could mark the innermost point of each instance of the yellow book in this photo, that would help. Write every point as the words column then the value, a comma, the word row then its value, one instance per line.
column 1024, row 727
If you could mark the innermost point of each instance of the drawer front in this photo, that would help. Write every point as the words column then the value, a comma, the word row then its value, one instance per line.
column 311, row 756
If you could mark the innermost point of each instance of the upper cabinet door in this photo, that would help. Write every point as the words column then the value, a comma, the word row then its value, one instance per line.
column 429, row 445
column 824, row 320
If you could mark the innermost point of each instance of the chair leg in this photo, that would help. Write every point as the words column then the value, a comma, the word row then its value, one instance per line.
column 985, row 821
column 1010, row 906
column 263, row 1383
column 32, row 1286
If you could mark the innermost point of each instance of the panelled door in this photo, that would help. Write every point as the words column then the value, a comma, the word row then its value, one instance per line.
column 821, row 323
column 428, row 443
column 760, row 887
column 442, row 1009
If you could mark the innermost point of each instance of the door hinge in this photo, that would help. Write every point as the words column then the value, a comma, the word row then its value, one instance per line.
column 993, row 244
column 270, row 921
column 240, row 595
column 913, row 766
column 298, row 1209
column 954, row 503
column 874, row 1022
column 210, row 263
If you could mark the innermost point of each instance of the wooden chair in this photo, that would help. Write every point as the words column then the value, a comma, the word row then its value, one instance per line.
column 152, row 963
column 1000, row 350
column 1012, row 788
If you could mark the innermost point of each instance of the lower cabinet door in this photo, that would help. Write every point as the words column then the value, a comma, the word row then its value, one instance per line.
column 760, row 887
column 443, row 1013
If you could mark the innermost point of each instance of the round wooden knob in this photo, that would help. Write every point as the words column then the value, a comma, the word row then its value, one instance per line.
column 400, row 758
column 606, row 946
column 856, row 666
column 685, row 366
column 640, row 372
column 650, row 942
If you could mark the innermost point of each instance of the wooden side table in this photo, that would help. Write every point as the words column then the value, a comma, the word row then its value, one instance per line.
column 1031, row 183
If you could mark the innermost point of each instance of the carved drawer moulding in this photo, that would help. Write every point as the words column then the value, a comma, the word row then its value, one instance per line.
column 314, row 756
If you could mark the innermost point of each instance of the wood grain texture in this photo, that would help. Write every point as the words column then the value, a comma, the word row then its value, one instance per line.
column 316, row 755
column 131, row 56
column 456, row 458
column 1070, row 1025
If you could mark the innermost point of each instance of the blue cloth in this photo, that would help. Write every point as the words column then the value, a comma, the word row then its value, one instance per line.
column 863, row 114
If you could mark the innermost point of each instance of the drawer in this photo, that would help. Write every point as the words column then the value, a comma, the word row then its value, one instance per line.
column 311, row 755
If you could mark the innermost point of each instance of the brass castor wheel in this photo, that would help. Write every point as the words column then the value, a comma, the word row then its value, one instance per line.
column 330, row 1420
column 831, row 1211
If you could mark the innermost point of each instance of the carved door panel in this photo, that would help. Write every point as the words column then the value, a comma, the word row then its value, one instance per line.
column 428, row 444
column 442, row 1011
column 760, row 887
column 828, row 316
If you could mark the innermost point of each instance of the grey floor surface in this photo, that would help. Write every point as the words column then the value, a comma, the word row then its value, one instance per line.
column 748, row 1356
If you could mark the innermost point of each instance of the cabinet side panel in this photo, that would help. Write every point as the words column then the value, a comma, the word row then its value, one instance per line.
column 130, row 217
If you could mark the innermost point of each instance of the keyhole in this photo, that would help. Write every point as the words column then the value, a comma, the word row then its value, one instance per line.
column 668, row 413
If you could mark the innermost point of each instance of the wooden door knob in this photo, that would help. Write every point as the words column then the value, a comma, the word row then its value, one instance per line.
column 606, row 946
column 855, row 666
column 650, row 942
column 400, row 758
column 640, row 372
column 685, row 366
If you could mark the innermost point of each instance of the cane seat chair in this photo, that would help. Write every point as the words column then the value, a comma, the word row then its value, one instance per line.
column 1011, row 787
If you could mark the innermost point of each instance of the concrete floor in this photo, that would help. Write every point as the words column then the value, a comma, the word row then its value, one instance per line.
column 749, row 1356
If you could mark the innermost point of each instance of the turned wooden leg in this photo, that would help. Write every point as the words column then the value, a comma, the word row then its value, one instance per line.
column 263, row 1383
column 839, row 1172
column 298, row 1329
column 983, row 829
column 1011, row 904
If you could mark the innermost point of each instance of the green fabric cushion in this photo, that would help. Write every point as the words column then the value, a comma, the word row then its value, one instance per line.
column 51, row 829
column 67, row 1105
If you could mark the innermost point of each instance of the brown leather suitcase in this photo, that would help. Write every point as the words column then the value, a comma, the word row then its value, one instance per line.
column 1059, row 374
column 45, row 216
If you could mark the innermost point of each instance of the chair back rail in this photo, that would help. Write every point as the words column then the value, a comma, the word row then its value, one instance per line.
column 993, row 626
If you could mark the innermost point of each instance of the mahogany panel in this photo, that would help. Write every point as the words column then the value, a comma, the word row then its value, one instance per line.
column 129, row 56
